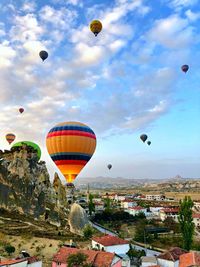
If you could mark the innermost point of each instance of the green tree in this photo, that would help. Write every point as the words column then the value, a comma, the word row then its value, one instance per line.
column 91, row 204
column 78, row 260
column 9, row 249
column 186, row 222
column 107, row 204
column 87, row 231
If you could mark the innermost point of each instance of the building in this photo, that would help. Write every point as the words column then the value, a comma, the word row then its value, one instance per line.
column 147, row 261
column 196, row 219
column 110, row 243
column 169, row 212
column 136, row 210
column 128, row 203
column 189, row 259
column 155, row 197
column 99, row 206
column 170, row 258
column 22, row 262
column 96, row 258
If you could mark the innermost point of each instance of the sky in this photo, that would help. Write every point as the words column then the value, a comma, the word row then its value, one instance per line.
column 125, row 82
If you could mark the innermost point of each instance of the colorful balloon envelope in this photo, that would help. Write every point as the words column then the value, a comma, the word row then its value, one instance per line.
column 10, row 137
column 96, row 27
column 71, row 145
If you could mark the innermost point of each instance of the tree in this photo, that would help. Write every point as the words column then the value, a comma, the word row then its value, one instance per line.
column 107, row 204
column 78, row 260
column 87, row 231
column 9, row 249
column 186, row 222
column 91, row 204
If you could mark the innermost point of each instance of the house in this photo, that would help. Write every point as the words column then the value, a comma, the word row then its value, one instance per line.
column 147, row 261
column 196, row 219
column 155, row 197
column 96, row 258
column 169, row 212
column 136, row 210
column 111, row 244
column 120, row 197
column 170, row 258
column 22, row 262
column 189, row 259
column 128, row 203
column 99, row 206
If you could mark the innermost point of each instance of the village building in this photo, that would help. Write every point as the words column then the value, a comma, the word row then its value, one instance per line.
column 94, row 257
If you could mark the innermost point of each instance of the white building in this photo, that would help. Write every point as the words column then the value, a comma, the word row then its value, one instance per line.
column 169, row 212
column 170, row 258
column 155, row 197
column 23, row 262
column 136, row 210
column 147, row 261
column 128, row 203
column 120, row 197
column 99, row 206
column 196, row 219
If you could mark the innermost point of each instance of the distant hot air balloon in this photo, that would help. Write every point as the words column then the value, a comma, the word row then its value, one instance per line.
column 109, row 166
column 43, row 54
column 143, row 137
column 10, row 137
column 31, row 144
column 185, row 68
column 71, row 145
column 21, row 110
column 96, row 27
column 148, row 143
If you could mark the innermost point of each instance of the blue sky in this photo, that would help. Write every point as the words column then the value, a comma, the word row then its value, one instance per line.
column 124, row 82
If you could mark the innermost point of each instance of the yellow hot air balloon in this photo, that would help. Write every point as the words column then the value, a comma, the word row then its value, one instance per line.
column 96, row 27
column 10, row 137
column 70, row 146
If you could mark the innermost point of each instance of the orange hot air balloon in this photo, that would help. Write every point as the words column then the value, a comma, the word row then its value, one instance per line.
column 71, row 145
column 10, row 137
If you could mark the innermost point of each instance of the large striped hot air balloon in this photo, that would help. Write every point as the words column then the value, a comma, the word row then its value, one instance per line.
column 10, row 137
column 71, row 145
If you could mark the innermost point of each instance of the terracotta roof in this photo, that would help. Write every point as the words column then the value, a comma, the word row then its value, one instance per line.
column 10, row 262
column 137, row 208
column 109, row 240
column 169, row 210
column 32, row 259
column 172, row 254
column 96, row 258
column 196, row 215
column 189, row 259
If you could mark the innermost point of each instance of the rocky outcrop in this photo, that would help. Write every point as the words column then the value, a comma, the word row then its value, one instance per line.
column 77, row 219
column 25, row 186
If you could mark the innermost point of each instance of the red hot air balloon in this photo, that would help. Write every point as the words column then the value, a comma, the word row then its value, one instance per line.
column 10, row 137
column 185, row 68
column 21, row 110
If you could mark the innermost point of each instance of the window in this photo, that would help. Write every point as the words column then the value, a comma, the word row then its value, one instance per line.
column 58, row 263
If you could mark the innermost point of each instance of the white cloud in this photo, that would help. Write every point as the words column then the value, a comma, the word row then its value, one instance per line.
column 192, row 16
column 7, row 53
column 29, row 6
column 172, row 32
column 182, row 3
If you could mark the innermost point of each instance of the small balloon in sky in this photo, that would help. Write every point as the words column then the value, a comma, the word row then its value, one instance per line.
column 43, row 54
column 148, row 143
column 143, row 137
column 10, row 137
column 109, row 166
column 96, row 27
column 21, row 110
column 185, row 68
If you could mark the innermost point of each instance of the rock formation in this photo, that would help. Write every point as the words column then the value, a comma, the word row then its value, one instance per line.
column 77, row 219
column 25, row 187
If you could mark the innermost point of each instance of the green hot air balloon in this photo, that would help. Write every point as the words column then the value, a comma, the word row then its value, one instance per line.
column 31, row 144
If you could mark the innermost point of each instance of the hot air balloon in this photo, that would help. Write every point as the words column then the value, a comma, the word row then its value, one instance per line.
column 185, row 68
column 148, row 143
column 71, row 145
column 96, row 27
column 31, row 144
column 21, row 110
column 10, row 137
column 143, row 137
column 43, row 54
column 109, row 166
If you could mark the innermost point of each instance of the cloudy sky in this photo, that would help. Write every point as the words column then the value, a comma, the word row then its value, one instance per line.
column 124, row 82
